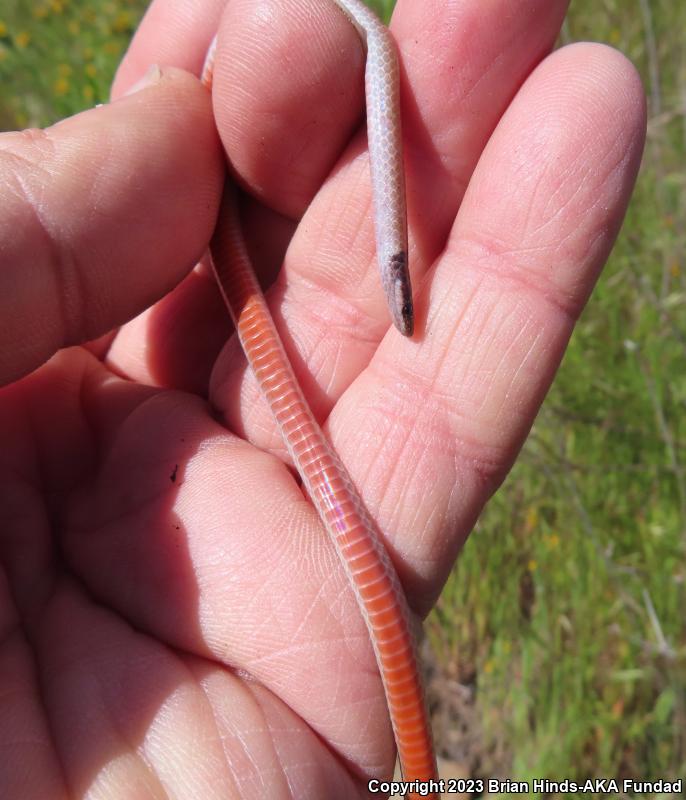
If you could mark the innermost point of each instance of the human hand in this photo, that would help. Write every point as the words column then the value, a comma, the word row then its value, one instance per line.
column 175, row 622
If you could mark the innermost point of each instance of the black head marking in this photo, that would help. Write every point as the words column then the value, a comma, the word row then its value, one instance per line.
column 399, row 262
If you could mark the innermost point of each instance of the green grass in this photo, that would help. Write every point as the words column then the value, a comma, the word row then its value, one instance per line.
column 568, row 603
column 59, row 56
column 382, row 7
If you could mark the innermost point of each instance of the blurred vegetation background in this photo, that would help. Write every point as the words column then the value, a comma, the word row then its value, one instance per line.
column 563, row 627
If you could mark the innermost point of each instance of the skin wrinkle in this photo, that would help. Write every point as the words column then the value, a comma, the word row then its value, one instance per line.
column 38, row 479
column 484, row 255
column 147, row 764
column 523, row 334
column 121, row 515
column 523, row 363
column 40, row 143
column 571, row 175
column 355, row 227
column 193, row 694
column 390, row 471
column 565, row 211
column 605, row 200
column 502, row 348
column 491, row 378
column 226, row 740
column 305, row 133
column 539, row 204
column 404, row 489
column 492, row 66
column 455, row 458
column 443, row 307
column 304, row 619
column 15, row 161
column 42, row 741
column 234, row 736
column 336, row 366
column 326, row 342
column 315, row 315
column 258, row 597
column 275, row 662
column 421, row 430
column 86, row 441
column 148, row 760
column 488, row 467
column 54, row 256
column 58, row 759
column 57, row 762
column 280, row 711
column 94, row 192
column 25, row 471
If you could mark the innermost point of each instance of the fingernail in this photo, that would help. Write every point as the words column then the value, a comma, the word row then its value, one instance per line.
column 151, row 77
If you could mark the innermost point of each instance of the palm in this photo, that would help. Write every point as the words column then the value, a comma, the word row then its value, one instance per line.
column 177, row 624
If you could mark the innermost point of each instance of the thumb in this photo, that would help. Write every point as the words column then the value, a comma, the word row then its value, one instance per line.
column 102, row 214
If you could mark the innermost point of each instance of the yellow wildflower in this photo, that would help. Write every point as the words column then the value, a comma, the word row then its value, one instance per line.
column 552, row 541
column 57, row 6
column 531, row 519
column 122, row 22
column 615, row 36
column 64, row 70
column 675, row 270
column 91, row 70
column 74, row 28
column 112, row 48
column 88, row 93
column 88, row 53
column 3, row 54
column 3, row 29
column 532, row 565
column 22, row 39
column 488, row 667
column 40, row 12
column 61, row 86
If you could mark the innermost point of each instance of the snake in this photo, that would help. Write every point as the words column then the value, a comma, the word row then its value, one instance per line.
column 355, row 535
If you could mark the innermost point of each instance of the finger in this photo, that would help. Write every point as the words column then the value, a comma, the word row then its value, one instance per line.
column 102, row 214
column 463, row 63
column 540, row 216
column 288, row 93
column 288, row 84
